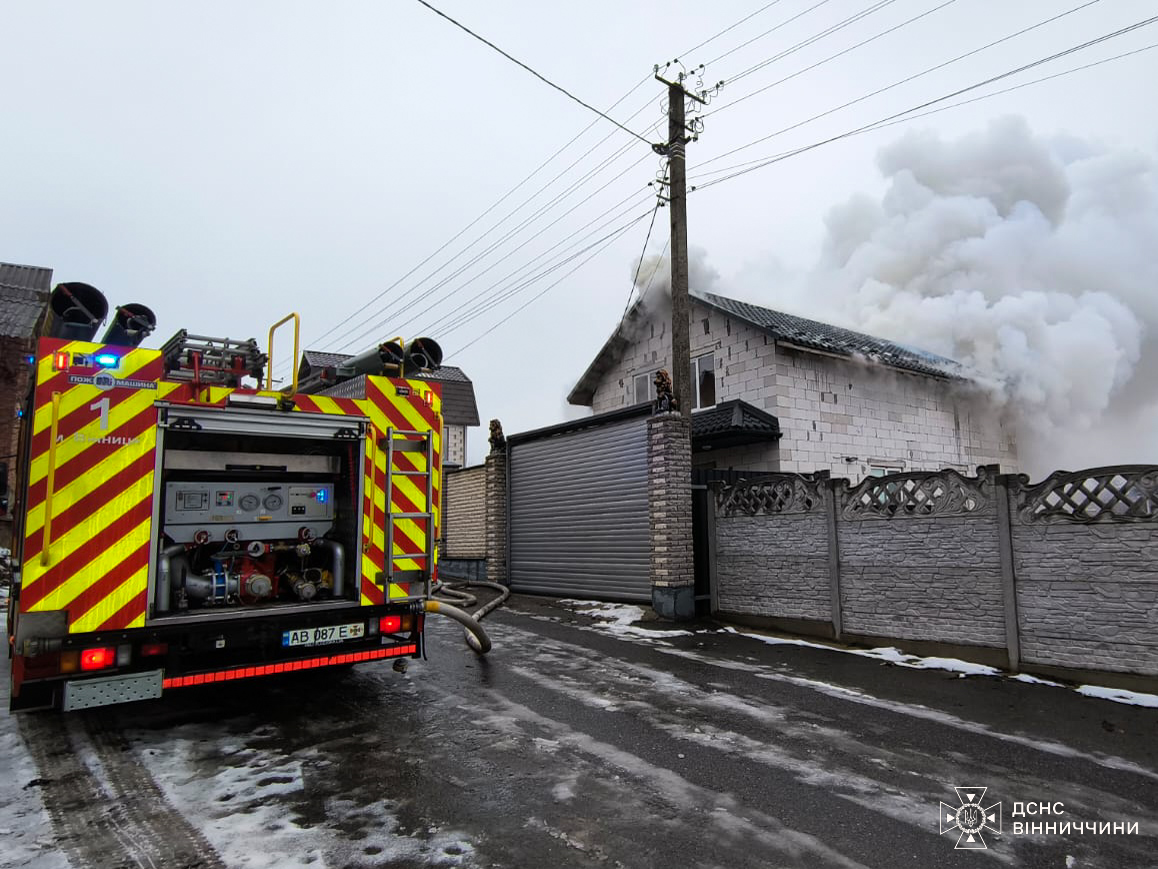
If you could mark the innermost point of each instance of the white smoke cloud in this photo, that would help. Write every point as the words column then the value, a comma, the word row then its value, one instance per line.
column 1032, row 261
column 654, row 274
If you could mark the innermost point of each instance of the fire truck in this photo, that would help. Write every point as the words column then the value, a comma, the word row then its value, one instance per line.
column 183, row 523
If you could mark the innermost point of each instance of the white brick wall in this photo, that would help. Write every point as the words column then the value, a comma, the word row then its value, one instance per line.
column 836, row 414
column 464, row 513
column 454, row 445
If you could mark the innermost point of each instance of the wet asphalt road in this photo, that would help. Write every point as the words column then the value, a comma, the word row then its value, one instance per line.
column 574, row 745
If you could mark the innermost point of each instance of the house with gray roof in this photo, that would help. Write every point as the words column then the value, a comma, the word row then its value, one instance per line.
column 459, row 407
column 776, row 392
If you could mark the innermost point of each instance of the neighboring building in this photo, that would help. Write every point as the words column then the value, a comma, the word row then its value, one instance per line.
column 24, row 292
column 791, row 394
column 459, row 409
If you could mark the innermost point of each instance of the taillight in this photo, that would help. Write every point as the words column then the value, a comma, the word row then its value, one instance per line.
column 98, row 659
column 396, row 624
column 149, row 650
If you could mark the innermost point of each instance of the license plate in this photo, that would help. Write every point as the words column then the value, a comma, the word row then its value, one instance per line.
column 323, row 636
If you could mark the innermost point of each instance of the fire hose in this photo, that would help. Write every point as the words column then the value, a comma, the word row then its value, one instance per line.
column 444, row 596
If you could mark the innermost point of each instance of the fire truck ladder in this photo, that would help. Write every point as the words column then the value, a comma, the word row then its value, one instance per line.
column 403, row 441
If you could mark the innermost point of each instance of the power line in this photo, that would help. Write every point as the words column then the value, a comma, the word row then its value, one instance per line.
column 349, row 337
column 840, row 25
column 396, row 312
column 833, row 57
column 482, row 215
column 1016, row 87
column 514, row 189
column 642, row 254
column 505, row 256
column 398, row 306
column 771, row 30
column 890, row 119
column 512, row 290
column 606, row 242
column 896, row 83
column 537, row 75
column 331, row 330
column 441, row 322
column 731, row 27
column 666, row 244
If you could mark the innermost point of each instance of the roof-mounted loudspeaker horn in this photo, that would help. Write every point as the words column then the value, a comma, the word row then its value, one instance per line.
column 75, row 311
column 423, row 354
column 385, row 358
column 131, row 325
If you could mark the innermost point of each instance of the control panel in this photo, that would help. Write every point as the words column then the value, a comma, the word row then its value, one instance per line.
column 202, row 505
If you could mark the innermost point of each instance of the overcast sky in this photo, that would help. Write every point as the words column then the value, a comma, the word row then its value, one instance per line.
column 226, row 163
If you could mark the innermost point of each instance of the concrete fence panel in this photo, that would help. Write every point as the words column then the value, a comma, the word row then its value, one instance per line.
column 1085, row 549
column 1060, row 576
column 772, row 549
column 919, row 558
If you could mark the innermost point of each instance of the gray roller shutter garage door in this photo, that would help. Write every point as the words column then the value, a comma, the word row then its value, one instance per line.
column 578, row 512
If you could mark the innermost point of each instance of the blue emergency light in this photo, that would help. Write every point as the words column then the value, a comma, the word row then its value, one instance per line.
column 106, row 360
column 321, row 496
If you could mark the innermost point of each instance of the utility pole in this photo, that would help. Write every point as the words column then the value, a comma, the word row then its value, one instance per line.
column 677, row 139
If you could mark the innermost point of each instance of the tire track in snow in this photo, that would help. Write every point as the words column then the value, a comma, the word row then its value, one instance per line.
column 106, row 811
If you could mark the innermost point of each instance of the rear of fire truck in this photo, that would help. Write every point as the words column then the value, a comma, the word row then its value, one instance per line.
column 180, row 525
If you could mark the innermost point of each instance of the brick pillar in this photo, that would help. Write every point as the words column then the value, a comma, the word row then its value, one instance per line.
column 496, row 513
column 669, row 507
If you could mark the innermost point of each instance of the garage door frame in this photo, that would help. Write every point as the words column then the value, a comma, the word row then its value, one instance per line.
column 619, row 566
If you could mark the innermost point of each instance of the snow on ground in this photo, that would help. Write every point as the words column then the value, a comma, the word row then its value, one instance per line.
column 1033, row 680
column 244, row 801
column 965, row 668
column 25, row 828
column 620, row 619
column 888, row 654
column 914, row 710
column 1133, row 698
column 228, row 792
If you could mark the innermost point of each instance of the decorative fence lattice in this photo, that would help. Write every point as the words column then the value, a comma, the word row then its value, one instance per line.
column 942, row 493
column 789, row 493
column 1126, row 493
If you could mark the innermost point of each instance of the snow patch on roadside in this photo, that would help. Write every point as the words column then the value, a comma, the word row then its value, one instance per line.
column 893, row 655
column 889, row 654
column 619, row 618
column 918, row 711
column 1033, row 680
column 1131, row 698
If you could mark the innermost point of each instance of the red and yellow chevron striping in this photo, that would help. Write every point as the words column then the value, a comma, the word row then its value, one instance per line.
column 93, row 457
column 418, row 410
column 88, row 522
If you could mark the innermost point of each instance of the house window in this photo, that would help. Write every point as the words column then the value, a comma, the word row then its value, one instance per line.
column 884, row 470
column 704, row 381
column 643, row 387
